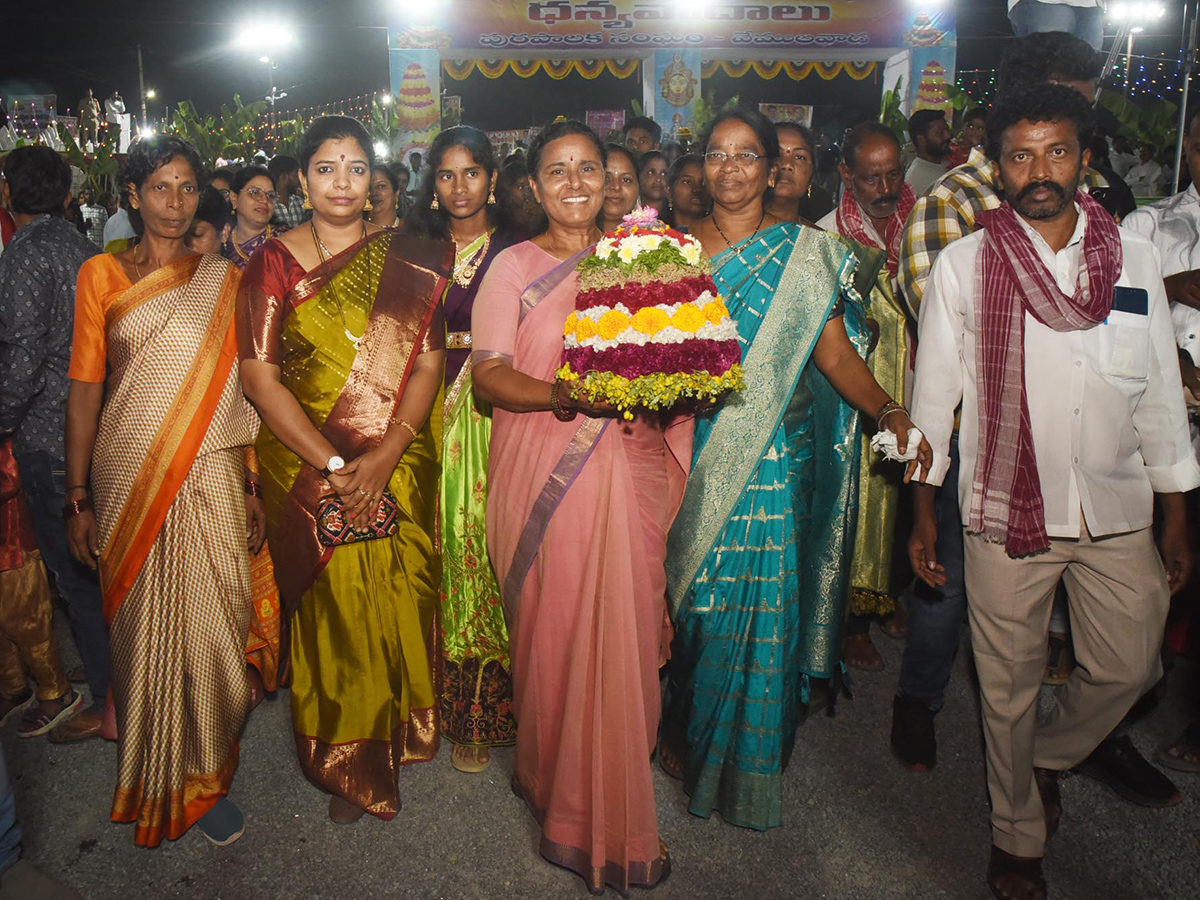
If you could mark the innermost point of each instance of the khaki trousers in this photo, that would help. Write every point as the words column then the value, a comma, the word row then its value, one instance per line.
column 27, row 641
column 1118, row 599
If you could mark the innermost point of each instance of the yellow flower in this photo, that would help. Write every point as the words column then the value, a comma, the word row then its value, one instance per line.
column 650, row 320
column 585, row 329
column 611, row 324
column 716, row 312
column 688, row 318
column 569, row 327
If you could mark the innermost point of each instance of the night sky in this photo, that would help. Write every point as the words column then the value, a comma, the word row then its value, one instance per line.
column 189, row 52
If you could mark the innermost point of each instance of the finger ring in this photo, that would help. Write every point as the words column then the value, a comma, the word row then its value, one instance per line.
column 361, row 491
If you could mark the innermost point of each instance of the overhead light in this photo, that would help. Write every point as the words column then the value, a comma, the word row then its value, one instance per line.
column 257, row 34
column 1136, row 29
column 420, row 12
column 264, row 59
column 150, row 94
column 146, row 132
column 381, row 149
column 385, row 99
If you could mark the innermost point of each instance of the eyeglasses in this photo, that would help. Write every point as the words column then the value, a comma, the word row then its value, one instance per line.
column 255, row 193
column 742, row 157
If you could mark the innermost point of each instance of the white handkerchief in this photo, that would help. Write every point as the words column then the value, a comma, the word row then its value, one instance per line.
column 885, row 442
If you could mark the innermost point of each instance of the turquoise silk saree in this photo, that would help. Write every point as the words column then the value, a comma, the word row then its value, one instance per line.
column 758, row 558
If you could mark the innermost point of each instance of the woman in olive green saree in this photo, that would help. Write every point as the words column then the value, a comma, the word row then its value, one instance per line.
column 342, row 344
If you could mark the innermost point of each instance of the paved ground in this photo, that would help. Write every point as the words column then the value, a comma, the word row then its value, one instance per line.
column 856, row 826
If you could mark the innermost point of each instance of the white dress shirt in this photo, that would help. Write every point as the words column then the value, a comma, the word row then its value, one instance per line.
column 1173, row 227
column 1105, row 404
column 1143, row 179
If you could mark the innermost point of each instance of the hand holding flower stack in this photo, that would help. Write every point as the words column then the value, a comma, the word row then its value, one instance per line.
column 649, row 328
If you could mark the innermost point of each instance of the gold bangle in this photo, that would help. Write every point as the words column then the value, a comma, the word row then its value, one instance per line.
column 401, row 422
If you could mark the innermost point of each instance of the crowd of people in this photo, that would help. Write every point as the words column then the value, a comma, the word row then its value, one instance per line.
column 301, row 427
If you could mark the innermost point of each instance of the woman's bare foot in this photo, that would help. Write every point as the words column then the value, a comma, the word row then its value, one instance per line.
column 861, row 654
column 470, row 759
column 343, row 812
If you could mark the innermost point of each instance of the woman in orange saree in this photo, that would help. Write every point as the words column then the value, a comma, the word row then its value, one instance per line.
column 158, row 426
column 342, row 344
column 577, row 519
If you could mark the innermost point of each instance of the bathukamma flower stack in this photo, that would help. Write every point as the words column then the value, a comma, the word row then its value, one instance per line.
column 649, row 328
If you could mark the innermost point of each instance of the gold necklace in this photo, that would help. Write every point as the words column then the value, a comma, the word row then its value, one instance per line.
column 464, row 270
column 324, row 256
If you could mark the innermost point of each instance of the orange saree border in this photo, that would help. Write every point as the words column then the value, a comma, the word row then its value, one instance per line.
column 167, row 278
column 174, row 447
column 184, row 807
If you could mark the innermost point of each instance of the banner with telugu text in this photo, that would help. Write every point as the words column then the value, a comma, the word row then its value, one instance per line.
column 513, row 26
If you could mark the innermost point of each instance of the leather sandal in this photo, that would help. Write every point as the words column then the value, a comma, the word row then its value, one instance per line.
column 1026, row 871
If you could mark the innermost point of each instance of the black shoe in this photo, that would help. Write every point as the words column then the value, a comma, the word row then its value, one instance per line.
column 1117, row 763
column 913, row 738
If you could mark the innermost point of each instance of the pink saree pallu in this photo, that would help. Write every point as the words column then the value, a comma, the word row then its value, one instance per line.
column 577, row 519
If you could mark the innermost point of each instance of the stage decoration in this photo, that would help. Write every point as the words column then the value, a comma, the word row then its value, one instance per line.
column 558, row 69
column 797, row 71
column 649, row 329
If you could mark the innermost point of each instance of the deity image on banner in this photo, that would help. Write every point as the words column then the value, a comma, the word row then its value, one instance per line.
column 678, row 82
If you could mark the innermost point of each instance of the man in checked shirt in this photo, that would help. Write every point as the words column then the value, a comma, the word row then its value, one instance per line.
column 947, row 212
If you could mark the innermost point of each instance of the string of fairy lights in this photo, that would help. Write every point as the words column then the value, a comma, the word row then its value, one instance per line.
column 1150, row 77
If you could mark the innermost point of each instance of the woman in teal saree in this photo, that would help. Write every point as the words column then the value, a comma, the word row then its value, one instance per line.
column 758, row 558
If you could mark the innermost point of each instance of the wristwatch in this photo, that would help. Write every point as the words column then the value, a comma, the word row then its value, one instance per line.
column 335, row 462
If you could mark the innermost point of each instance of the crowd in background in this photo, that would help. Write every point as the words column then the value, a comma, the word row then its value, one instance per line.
column 350, row 366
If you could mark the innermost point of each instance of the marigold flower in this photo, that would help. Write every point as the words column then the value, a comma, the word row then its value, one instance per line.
column 716, row 312
column 688, row 318
column 650, row 320
column 611, row 324
column 569, row 325
column 585, row 329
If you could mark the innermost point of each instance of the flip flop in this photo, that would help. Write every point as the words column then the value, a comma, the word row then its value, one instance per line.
column 1190, row 736
column 18, row 709
column 470, row 766
column 43, row 722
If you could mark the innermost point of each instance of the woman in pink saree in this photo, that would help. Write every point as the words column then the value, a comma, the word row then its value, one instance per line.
column 577, row 518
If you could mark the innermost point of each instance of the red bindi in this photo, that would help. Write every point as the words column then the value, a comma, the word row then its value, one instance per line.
column 343, row 157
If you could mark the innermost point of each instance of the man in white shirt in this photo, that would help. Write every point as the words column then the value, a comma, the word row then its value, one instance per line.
column 1051, row 328
column 931, row 135
column 1144, row 178
column 1173, row 226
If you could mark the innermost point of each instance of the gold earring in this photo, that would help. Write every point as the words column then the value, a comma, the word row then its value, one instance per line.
column 307, row 203
column 492, row 197
column 434, row 204
column 368, row 207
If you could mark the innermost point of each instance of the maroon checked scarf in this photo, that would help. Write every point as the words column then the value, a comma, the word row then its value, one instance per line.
column 850, row 224
column 1010, row 280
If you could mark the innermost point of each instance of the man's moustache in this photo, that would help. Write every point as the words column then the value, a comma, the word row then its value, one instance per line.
column 1053, row 186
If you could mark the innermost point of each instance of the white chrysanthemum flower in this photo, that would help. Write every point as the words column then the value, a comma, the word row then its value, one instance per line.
column 627, row 251
column 691, row 253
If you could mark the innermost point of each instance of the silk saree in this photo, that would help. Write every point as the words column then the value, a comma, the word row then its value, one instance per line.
column 577, row 516
column 758, row 556
column 362, row 616
column 167, row 478
column 476, row 686
column 878, row 481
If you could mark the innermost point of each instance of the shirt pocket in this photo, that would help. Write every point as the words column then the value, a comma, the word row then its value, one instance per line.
column 1124, row 346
